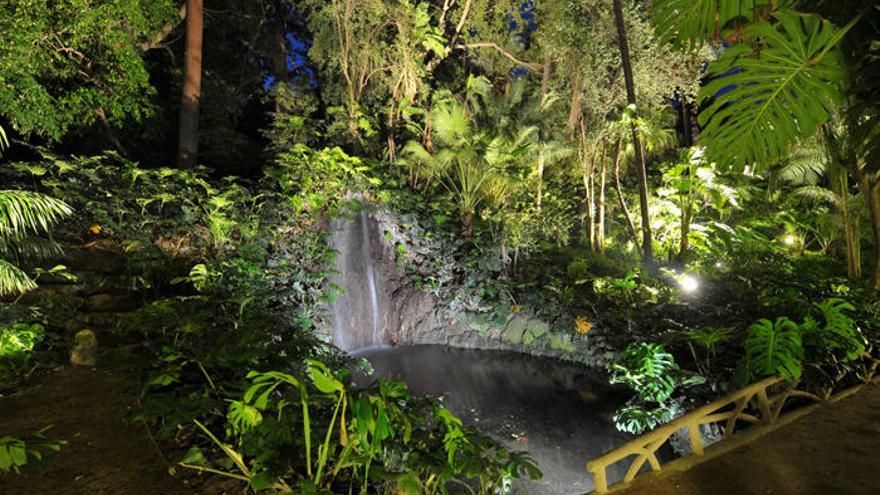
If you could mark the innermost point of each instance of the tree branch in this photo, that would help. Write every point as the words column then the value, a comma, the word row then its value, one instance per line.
column 165, row 31
column 528, row 65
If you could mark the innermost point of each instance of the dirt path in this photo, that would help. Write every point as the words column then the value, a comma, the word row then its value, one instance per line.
column 833, row 451
column 104, row 454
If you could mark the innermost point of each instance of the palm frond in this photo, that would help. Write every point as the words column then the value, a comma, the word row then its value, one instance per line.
column 28, row 250
column 772, row 90
column 450, row 122
column 13, row 280
column 25, row 212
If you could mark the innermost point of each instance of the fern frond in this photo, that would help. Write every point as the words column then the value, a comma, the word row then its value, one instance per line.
column 772, row 90
column 804, row 166
column 817, row 194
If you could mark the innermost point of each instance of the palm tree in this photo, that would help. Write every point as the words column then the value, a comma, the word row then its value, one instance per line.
column 22, row 215
column 647, row 248
column 828, row 158
column 475, row 163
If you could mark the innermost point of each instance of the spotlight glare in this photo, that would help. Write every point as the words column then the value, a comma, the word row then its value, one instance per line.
column 789, row 240
column 689, row 284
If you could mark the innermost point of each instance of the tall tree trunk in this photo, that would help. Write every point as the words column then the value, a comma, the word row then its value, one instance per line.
column 188, row 152
column 574, row 113
column 539, row 191
column 686, row 215
column 647, row 249
column 871, row 191
column 629, row 221
column 600, row 225
column 279, row 54
column 838, row 176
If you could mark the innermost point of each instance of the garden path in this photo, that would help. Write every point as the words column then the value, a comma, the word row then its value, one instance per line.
column 832, row 451
column 105, row 454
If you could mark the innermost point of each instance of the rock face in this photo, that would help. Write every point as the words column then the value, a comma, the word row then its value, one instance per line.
column 379, row 305
column 85, row 349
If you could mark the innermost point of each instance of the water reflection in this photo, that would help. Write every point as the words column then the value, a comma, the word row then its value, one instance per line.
column 559, row 412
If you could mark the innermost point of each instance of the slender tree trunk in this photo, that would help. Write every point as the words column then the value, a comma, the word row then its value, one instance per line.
column 539, row 192
column 647, row 249
column 188, row 153
column 600, row 226
column 574, row 114
column 279, row 55
column 110, row 132
column 629, row 221
column 686, row 214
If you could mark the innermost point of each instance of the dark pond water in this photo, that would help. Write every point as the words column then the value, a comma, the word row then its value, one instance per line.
column 559, row 412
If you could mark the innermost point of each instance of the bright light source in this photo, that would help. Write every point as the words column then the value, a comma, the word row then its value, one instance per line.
column 689, row 283
column 719, row 264
column 790, row 240
column 630, row 246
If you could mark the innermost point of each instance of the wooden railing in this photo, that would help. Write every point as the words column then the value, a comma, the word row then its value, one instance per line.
column 768, row 396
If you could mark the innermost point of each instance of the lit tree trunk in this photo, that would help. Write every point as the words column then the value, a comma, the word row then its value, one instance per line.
column 686, row 215
column 839, row 178
column 600, row 227
column 192, row 87
column 279, row 39
column 647, row 249
column 629, row 221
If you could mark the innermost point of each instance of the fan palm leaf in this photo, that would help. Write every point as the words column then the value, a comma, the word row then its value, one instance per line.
column 772, row 90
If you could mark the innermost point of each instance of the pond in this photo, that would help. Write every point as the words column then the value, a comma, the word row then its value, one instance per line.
column 559, row 412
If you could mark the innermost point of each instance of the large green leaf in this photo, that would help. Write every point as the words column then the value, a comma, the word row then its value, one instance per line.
column 690, row 22
column 772, row 90
column 774, row 348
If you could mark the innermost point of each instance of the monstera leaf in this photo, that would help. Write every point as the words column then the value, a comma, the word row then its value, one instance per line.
column 774, row 348
column 772, row 90
column 687, row 23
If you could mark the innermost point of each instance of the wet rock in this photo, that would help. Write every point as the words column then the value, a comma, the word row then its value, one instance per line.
column 536, row 329
column 85, row 349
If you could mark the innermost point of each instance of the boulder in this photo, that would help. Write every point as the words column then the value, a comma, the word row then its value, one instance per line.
column 85, row 349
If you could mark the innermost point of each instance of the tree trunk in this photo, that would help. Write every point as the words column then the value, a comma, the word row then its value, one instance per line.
column 279, row 54
column 647, row 249
column 871, row 190
column 600, row 226
column 192, row 87
column 539, row 192
column 629, row 222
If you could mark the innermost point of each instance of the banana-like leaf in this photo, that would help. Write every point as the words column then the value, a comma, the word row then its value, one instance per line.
column 688, row 23
column 772, row 90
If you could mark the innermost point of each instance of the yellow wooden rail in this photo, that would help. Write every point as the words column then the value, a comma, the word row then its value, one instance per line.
column 769, row 395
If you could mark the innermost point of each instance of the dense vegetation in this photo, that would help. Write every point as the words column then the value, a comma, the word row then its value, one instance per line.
column 681, row 190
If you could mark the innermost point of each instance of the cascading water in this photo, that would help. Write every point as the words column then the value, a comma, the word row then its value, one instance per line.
column 359, row 312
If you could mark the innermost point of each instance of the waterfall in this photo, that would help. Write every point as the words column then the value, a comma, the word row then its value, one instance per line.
column 359, row 313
